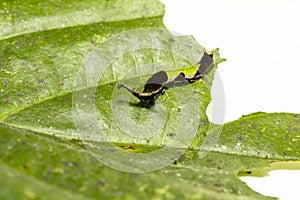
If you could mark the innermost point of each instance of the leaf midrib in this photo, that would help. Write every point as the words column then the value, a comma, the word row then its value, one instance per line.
column 83, row 25
column 16, row 111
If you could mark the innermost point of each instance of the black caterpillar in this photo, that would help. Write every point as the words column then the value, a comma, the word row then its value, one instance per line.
column 159, row 82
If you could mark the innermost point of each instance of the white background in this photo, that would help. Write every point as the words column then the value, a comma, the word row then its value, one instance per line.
column 261, row 41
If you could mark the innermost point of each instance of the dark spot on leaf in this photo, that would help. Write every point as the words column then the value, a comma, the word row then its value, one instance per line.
column 179, row 109
column 244, row 123
column 171, row 40
column 41, row 81
column 46, row 178
column 218, row 185
column 253, row 126
column 204, row 134
column 37, row 38
column 239, row 138
column 128, row 147
column 25, row 167
column 53, row 56
column 204, row 122
column 189, row 45
column 73, row 164
column 171, row 135
column 101, row 183
column 287, row 136
column 248, row 172
column 6, row 101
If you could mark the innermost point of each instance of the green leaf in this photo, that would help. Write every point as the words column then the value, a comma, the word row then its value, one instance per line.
column 47, row 61
column 264, row 135
column 59, row 59
column 21, row 17
column 66, row 167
